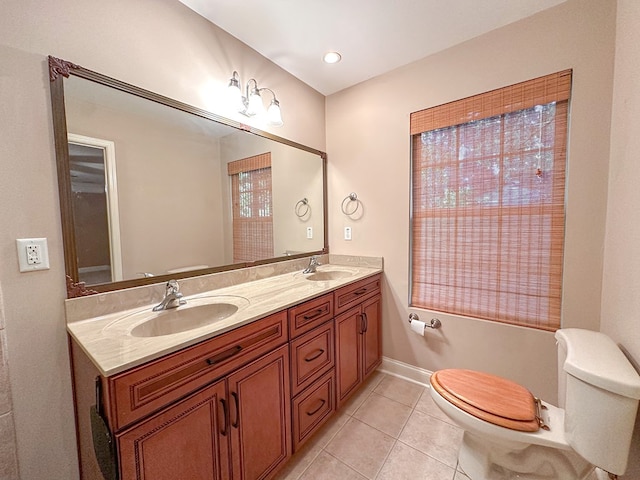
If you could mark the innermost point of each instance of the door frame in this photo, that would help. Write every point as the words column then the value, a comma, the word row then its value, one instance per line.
column 111, row 191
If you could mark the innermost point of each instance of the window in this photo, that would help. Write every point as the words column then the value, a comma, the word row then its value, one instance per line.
column 488, row 181
column 252, row 208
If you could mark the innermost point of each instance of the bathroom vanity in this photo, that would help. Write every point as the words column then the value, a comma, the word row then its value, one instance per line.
column 233, row 398
column 231, row 383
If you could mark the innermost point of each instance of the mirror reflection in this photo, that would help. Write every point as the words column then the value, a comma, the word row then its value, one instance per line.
column 157, row 190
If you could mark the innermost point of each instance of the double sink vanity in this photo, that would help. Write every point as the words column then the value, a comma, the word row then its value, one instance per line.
column 229, row 384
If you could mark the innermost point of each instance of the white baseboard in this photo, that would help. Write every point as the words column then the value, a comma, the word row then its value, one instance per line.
column 405, row 371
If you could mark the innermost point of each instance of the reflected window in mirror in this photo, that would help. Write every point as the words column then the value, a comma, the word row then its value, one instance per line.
column 252, row 208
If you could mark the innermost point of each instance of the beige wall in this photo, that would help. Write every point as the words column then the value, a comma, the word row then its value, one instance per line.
column 8, row 457
column 368, row 146
column 621, row 279
column 159, row 45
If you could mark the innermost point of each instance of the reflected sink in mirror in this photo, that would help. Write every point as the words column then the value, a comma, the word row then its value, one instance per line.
column 196, row 313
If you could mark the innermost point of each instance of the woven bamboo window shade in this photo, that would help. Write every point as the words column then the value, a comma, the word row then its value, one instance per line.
column 488, row 203
column 252, row 208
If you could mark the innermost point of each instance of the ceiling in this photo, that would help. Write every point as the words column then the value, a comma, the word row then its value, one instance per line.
column 373, row 36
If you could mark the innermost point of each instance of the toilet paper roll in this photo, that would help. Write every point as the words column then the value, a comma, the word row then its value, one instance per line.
column 418, row 326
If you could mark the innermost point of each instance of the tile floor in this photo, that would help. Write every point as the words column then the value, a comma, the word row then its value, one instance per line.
column 389, row 430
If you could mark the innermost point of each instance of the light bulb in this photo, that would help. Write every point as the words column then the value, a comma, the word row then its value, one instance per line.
column 255, row 106
column 332, row 57
column 274, row 115
column 234, row 95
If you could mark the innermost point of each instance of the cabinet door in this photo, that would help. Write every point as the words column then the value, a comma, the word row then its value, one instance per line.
column 260, row 416
column 187, row 440
column 349, row 330
column 372, row 341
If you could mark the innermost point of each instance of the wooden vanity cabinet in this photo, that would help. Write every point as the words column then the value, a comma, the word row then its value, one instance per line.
column 238, row 428
column 187, row 440
column 220, row 409
column 236, row 406
column 358, row 335
column 312, row 330
column 141, row 391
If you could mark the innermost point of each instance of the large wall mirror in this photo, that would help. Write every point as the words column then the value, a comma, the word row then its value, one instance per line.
column 151, row 188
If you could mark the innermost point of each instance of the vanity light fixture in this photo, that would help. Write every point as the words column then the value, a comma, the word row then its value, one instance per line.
column 332, row 57
column 250, row 104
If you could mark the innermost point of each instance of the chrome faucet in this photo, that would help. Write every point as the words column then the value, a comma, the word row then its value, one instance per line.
column 172, row 297
column 313, row 264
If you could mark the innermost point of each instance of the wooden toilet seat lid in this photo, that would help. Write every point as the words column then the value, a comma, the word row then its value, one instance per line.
column 488, row 397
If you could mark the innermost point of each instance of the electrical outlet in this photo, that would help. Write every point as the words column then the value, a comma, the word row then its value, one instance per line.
column 309, row 232
column 347, row 233
column 32, row 254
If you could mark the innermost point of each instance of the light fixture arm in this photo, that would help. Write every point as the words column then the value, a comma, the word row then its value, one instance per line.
column 272, row 93
column 250, row 103
column 254, row 89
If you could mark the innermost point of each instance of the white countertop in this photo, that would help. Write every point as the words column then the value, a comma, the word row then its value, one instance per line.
column 108, row 343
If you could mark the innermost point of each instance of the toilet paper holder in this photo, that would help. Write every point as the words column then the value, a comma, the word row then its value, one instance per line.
column 434, row 323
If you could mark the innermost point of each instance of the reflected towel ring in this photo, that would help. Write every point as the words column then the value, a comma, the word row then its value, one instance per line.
column 304, row 203
column 352, row 197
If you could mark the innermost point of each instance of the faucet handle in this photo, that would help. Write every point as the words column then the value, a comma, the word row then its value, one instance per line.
column 172, row 287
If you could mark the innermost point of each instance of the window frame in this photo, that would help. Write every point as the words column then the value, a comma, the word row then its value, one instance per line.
column 466, row 117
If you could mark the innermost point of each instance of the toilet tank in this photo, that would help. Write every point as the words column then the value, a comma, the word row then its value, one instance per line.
column 599, row 391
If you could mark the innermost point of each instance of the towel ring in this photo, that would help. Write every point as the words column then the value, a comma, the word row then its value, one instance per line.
column 352, row 197
column 304, row 203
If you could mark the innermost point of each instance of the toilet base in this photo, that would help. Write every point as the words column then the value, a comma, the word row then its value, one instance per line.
column 483, row 460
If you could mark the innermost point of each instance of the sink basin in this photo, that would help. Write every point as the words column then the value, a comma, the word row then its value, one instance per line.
column 197, row 312
column 329, row 275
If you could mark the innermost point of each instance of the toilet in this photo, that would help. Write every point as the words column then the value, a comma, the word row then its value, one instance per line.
column 509, row 434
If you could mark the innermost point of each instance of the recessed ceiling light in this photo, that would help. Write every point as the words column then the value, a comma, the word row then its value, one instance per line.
column 332, row 57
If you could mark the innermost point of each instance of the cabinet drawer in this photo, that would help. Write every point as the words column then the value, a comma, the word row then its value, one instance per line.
column 312, row 408
column 303, row 318
column 143, row 390
column 347, row 297
column 311, row 356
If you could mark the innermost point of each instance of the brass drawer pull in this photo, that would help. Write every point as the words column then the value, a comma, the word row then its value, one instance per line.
column 236, row 422
column 361, row 291
column 226, row 418
column 311, row 359
column 224, row 355
column 363, row 323
column 322, row 402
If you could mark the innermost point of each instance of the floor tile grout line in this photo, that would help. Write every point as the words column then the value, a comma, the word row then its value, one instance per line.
column 395, row 437
column 386, row 459
column 430, row 456
column 322, row 448
column 351, row 467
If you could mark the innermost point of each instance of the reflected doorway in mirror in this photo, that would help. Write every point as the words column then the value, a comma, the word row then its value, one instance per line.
column 92, row 167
